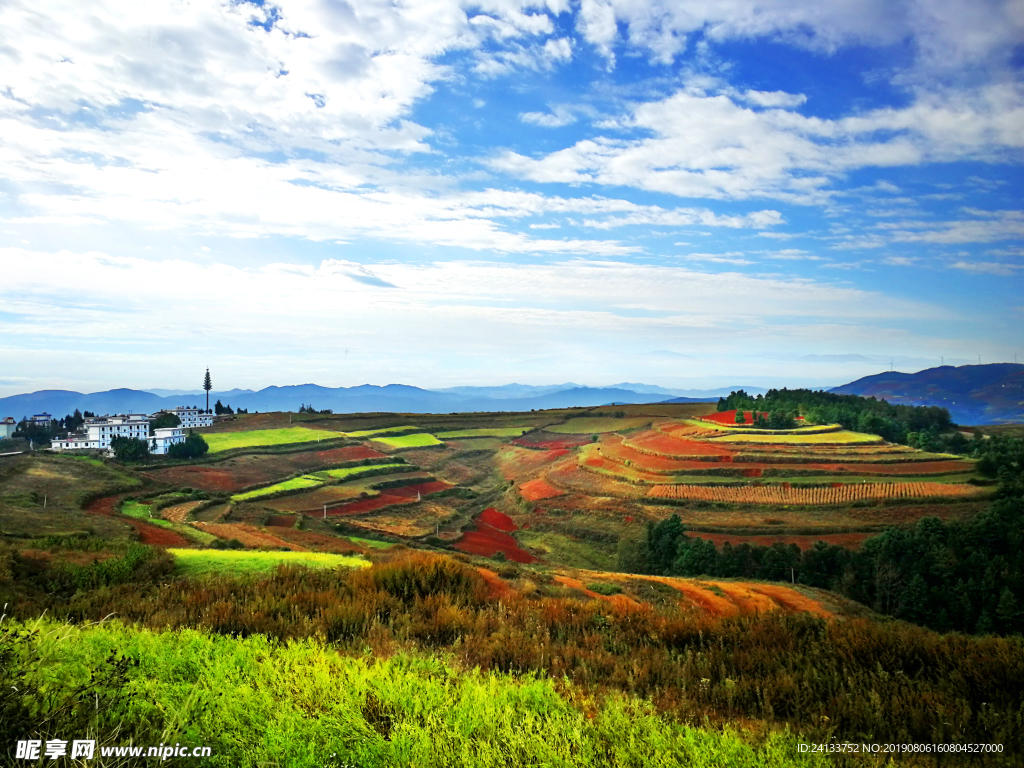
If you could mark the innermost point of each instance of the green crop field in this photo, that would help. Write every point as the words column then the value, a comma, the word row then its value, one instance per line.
column 419, row 440
column 596, row 425
column 257, row 702
column 363, row 471
column 843, row 436
column 371, row 543
column 484, row 432
column 225, row 441
column 306, row 481
column 381, row 431
column 197, row 562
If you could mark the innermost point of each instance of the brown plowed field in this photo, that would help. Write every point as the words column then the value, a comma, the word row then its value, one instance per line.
column 569, row 477
column 179, row 512
column 243, row 471
column 843, row 495
column 316, row 542
column 538, row 489
column 598, row 463
column 547, row 441
column 848, row 540
column 515, row 463
column 248, row 535
column 310, row 502
column 281, row 521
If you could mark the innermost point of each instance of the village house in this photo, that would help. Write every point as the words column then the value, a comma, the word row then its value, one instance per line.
column 97, row 432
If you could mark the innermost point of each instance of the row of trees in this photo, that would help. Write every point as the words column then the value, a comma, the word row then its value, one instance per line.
column 220, row 409
column 895, row 423
column 964, row 575
column 47, row 431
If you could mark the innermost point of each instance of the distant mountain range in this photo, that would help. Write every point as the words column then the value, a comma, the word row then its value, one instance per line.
column 974, row 394
column 367, row 398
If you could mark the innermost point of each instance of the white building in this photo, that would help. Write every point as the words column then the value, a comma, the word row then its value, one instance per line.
column 7, row 427
column 42, row 419
column 97, row 432
column 192, row 418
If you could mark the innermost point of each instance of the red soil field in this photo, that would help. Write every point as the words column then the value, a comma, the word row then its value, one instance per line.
column 158, row 537
column 487, row 540
column 497, row 520
column 677, row 447
column 368, row 505
column 423, row 489
column 848, row 540
column 538, row 489
column 728, row 417
column 104, row 506
column 497, row 588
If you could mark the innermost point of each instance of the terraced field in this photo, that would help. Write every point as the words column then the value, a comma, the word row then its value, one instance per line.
column 841, row 496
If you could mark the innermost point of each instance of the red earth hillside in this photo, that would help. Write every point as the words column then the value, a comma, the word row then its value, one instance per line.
column 492, row 536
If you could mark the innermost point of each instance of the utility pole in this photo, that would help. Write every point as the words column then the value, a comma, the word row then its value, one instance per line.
column 979, row 359
column 325, row 511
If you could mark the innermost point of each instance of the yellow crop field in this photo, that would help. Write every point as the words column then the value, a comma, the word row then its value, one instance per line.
column 841, row 437
column 224, row 441
column 596, row 425
column 418, row 440
column 844, row 494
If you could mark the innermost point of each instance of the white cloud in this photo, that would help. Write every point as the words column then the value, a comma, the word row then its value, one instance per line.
column 706, row 144
column 987, row 267
column 559, row 116
column 996, row 225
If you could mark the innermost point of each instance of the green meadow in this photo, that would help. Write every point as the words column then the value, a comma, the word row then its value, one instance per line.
column 258, row 702
column 343, row 473
column 199, row 562
column 381, row 431
column 225, row 441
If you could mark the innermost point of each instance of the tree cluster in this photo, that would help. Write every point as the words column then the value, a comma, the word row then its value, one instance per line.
column 192, row 447
column 895, row 423
column 310, row 409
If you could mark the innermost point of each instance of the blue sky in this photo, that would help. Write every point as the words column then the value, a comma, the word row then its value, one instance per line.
column 691, row 194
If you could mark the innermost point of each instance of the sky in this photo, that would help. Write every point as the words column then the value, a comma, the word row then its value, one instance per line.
column 438, row 193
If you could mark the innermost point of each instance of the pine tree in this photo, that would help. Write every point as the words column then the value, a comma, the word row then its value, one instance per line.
column 207, row 385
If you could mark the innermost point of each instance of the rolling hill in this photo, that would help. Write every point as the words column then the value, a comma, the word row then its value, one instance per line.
column 973, row 394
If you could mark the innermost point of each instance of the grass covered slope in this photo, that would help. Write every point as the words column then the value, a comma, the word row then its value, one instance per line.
column 256, row 702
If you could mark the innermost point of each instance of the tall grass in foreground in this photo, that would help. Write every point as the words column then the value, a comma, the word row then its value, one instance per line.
column 850, row 680
column 256, row 702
